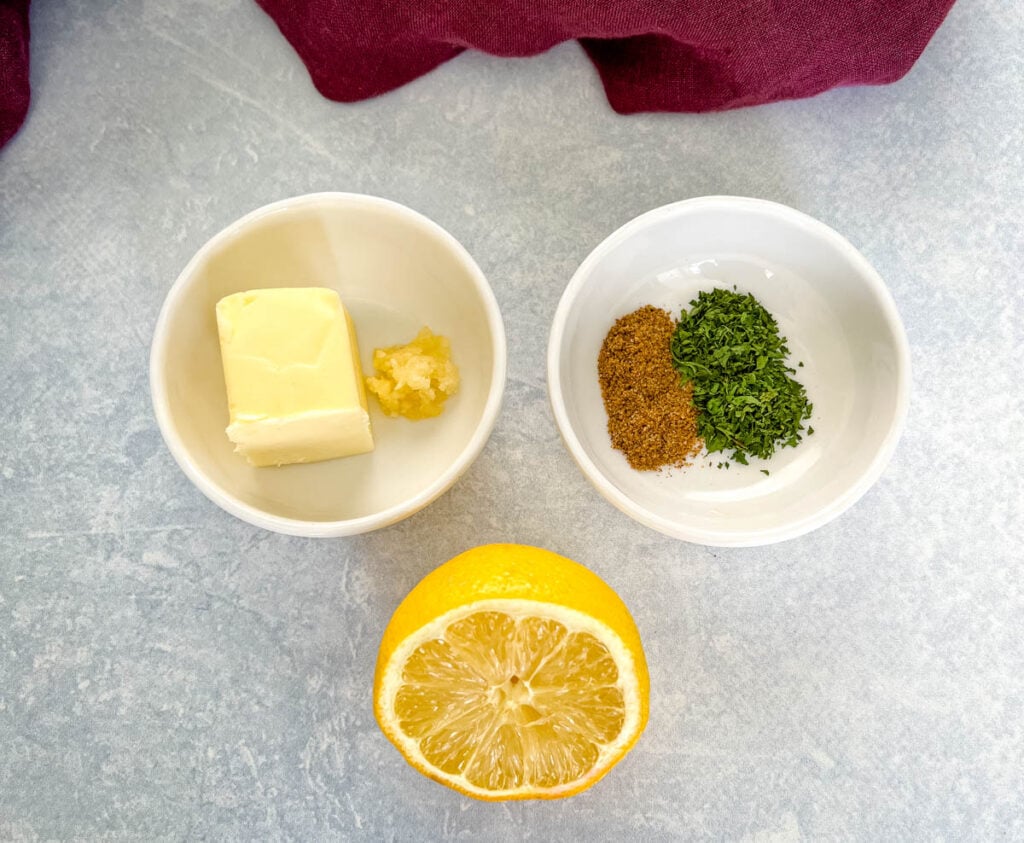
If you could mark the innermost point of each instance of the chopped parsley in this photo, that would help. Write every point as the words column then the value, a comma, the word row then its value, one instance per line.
column 728, row 346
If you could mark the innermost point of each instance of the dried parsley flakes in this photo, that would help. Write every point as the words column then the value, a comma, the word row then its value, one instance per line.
column 728, row 346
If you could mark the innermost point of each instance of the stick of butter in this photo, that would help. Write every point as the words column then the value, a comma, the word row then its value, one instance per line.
column 291, row 367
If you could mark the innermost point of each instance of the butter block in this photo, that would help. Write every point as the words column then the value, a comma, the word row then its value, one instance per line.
column 294, row 384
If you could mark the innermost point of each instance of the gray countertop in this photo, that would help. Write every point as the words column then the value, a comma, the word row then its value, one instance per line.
column 168, row 672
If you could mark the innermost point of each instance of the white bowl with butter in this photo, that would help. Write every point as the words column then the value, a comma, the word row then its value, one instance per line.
column 395, row 272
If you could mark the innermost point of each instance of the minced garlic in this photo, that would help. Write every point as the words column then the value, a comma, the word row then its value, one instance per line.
column 414, row 380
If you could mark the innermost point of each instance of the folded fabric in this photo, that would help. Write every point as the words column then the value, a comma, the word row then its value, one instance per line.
column 689, row 55
column 697, row 55
column 13, row 66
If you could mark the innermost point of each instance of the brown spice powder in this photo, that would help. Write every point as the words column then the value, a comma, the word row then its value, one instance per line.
column 651, row 416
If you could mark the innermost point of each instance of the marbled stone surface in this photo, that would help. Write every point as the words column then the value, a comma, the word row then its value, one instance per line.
column 169, row 673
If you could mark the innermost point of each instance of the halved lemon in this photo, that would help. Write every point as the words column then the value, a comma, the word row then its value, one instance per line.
column 511, row 672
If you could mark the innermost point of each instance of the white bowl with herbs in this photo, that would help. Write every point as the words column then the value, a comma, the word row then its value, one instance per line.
column 729, row 371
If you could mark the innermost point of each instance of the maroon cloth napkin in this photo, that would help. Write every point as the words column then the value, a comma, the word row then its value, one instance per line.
column 687, row 55
column 13, row 66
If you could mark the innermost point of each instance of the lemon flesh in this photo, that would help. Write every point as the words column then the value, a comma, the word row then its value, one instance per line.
column 509, row 702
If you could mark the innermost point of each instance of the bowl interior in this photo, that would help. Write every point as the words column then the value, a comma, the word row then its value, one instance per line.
column 839, row 322
column 395, row 273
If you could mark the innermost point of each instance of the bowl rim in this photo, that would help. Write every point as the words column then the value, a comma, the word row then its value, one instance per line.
column 159, row 352
column 731, row 537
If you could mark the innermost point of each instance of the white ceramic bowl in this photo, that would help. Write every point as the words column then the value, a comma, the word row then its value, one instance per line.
column 396, row 271
column 838, row 316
